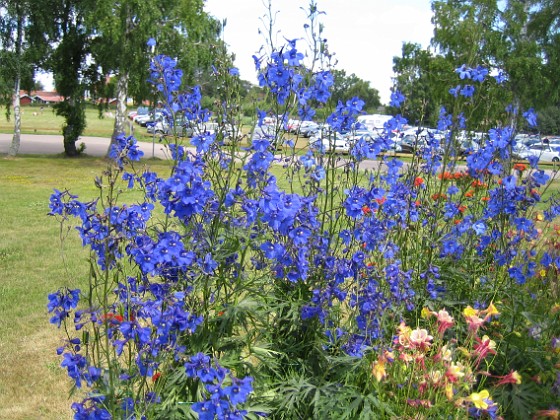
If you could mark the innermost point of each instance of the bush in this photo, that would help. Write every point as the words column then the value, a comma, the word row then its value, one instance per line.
column 264, row 282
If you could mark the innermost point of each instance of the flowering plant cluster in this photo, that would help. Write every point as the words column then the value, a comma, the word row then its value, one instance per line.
column 258, row 280
column 438, row 371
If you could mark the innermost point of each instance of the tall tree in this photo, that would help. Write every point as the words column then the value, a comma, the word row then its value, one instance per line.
column 544, row 27
column 346, row 87
column 14, row 22
column 68, row 63
column 494, row 34
column 424, row 79
column 120, row 32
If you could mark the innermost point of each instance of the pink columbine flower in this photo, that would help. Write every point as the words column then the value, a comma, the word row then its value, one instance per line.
column 511, row 378
column 483, row 348
column 420, row 339
column 444, row 320
column 474, row 323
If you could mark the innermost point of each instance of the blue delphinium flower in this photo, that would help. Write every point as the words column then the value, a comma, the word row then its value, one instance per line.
column 223, row 398
column 464, row 72
column 123, row 147
column 467, row 91
column 479, row 74
column 531, row 117
column 61, row 304
column 397, row 98
column 91, row 408
column 501, row 77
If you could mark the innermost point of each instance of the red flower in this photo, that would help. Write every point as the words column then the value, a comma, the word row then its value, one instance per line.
column 418, row 181
column 520, row 167
column 111, row 317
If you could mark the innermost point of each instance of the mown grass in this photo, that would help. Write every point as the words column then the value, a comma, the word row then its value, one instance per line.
column 45, row 121
column 33, row 263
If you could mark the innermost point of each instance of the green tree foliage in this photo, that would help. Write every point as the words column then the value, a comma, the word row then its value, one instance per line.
column 549, row 120
column 424, row 79
column 544, row 26
column 69, row 68
column 347, row 86
column 120, row 31
column 16, row 58
column 516, row 37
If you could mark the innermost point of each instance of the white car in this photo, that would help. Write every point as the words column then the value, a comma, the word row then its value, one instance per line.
column 545, row 152
column 391, row 144
column 330, row 141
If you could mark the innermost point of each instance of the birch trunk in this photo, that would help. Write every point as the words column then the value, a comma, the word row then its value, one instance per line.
column 16, row 139
column 120, row 114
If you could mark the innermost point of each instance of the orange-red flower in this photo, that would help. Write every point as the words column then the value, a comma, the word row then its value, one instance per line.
column 437, row 196
column 111, row 317
column 418, row 181
column 520, row 167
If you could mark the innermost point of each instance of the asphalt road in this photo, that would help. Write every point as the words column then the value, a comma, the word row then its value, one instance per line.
column 42, row 144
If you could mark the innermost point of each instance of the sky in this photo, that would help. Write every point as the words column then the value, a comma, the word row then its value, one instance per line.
column 364, row 35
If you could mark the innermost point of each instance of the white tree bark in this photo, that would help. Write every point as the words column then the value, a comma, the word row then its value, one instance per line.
column 16, row 139
column 120, row 114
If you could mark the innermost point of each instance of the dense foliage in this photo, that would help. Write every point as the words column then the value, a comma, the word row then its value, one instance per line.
column 517, row 38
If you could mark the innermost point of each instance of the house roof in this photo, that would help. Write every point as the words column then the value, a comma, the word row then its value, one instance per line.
column 42, row 96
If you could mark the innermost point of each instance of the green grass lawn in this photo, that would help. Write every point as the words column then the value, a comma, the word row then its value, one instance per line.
column 45, row 121
column 33, row 264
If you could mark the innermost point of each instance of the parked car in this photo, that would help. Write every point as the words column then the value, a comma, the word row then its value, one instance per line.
column 308, row 128
column 330, row 141
column 150, row 118
column 141, row 110
column 413, row 143
column 182, row 128
column 292, row 126
column 270, row 133
column 374, row 121
column 185, row 128
column 383, row 143
column 545, row 152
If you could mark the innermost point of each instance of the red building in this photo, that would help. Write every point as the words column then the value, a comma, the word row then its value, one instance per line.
column 39, row 97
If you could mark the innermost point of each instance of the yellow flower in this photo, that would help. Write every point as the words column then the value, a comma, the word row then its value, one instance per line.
column 449, row 391
column 539, row 217
column 478, row 399
column 426, row 313
column 455, row 371
column 517, row 377
column 378, row 369
column 469, row 311
column 492, row 310
column 490, row 343
column 446, row 354
column 542, row 273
